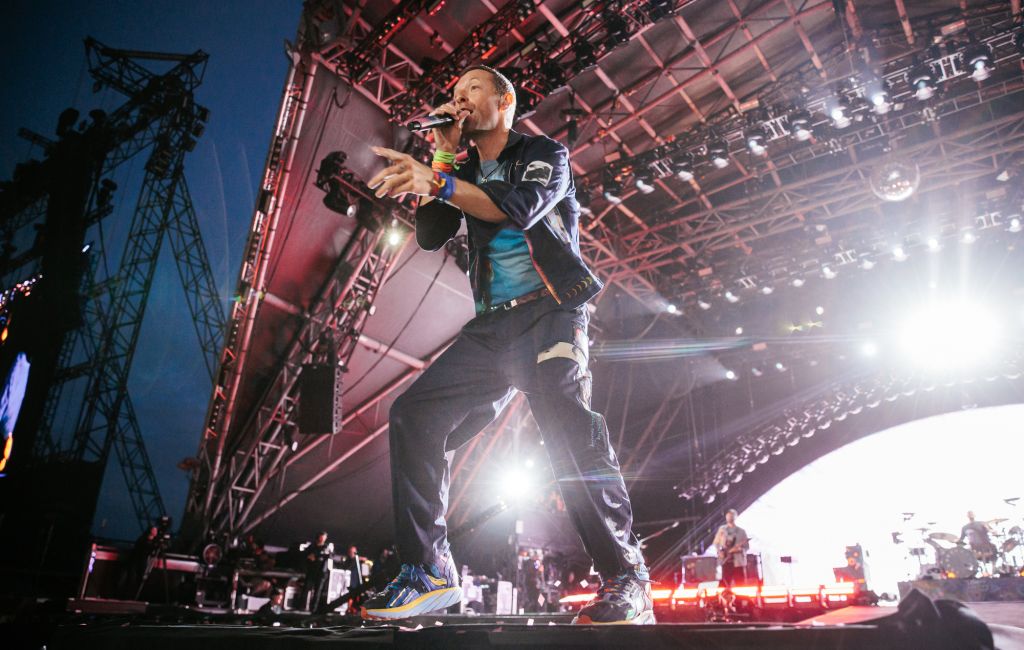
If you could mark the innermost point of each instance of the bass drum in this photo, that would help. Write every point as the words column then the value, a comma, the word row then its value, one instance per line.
column 958, row 563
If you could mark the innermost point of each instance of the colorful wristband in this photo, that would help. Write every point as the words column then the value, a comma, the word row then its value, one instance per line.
column 443, row 162
column 443, row 186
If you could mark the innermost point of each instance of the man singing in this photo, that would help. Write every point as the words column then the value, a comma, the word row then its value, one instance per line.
column 517, row 195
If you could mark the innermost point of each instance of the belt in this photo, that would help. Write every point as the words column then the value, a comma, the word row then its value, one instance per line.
column 515, row 302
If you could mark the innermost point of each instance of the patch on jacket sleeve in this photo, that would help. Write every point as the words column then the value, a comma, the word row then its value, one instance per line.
column 539, row 171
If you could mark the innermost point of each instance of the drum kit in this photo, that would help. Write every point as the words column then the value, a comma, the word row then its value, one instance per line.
column 1000, row 555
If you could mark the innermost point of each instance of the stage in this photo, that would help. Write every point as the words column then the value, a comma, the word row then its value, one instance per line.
column 917, row 623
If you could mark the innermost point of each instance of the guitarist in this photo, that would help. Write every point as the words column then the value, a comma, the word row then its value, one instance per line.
column 732, row 543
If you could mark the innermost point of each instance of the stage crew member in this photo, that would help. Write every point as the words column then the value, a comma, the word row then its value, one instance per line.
column 531, row 288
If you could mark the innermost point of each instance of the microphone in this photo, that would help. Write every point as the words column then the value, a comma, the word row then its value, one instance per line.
column 430, row 122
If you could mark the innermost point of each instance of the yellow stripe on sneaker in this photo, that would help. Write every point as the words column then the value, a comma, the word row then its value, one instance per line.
column 390, row 611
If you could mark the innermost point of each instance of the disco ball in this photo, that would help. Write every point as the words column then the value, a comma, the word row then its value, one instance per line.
column 895, row 179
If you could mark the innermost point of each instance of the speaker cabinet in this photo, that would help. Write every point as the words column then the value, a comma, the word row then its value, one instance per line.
column 320, row 399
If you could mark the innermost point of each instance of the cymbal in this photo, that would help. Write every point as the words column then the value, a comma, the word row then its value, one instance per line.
column 946, row 537
column 997, row 520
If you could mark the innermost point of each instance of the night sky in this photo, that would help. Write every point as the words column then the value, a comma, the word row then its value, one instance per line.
column 44, row 72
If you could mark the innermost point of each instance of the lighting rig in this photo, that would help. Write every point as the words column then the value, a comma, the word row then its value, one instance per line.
column 833, row 403
column 999, row 217
column 539, row 66
column 345, row 194
column 786, row 112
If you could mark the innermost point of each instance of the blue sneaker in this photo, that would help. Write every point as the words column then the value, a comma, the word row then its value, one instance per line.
column 418, row 589
column 622, row 600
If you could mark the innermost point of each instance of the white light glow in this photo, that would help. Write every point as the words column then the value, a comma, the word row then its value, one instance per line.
column 933, row 244
column 819, row 310
column 899, row 254
column 813, row 525
column 949, row 334
column 869, row 349
column 739, row 331
column 516, row 484
column 670, row 308
column 730, row 375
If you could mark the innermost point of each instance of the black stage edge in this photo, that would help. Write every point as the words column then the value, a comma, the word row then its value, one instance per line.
column 918, row 623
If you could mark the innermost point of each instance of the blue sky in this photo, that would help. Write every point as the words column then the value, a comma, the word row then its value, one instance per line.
column 44, row 71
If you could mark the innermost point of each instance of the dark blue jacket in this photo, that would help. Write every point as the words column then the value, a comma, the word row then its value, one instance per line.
column 540, row 199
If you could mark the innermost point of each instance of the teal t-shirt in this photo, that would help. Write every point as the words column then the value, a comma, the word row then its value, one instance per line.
column 512, row 270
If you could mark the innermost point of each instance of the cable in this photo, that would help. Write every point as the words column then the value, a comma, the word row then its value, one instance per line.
column 415, row 311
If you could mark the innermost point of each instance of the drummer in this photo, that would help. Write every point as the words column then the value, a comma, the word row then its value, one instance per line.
column 977, row 534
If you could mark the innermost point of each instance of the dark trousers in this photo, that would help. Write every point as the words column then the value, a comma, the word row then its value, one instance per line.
column 540, row 349
column 733, row 576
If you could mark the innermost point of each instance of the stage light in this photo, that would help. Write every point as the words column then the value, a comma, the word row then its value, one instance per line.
column 618, row 30
column 612, row 190
column 767, row 290
column 756, row 372
column 839, row 111
column 739, row 331
column 800, row 125
column 682, row 165
column 781, row 367
column 670, row 308
column 730, row 375
column 947, row 335
column 718, row 153
column 878, row 95
column 644, row 181
column 922, row 81
column 704, row 305
column 757, row 140
column 798, row 282
column 338, row 202
column 828, row 272
column 524, row 9
column 516, row 484
column 867, row 265
column 585, row 57
column 731, row 297
column 529, row 463
column 899, row 254
column 1015, row 225
column 968, row 237
column 819, row 310
column 977, row 57
column 933, row 245
column 394, row 235
column 869, row 349
column 658, row 9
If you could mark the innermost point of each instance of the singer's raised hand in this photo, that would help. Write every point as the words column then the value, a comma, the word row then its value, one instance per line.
column 404, row 175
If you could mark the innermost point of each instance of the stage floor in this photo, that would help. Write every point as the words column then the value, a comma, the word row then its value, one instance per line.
column 877, row 628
